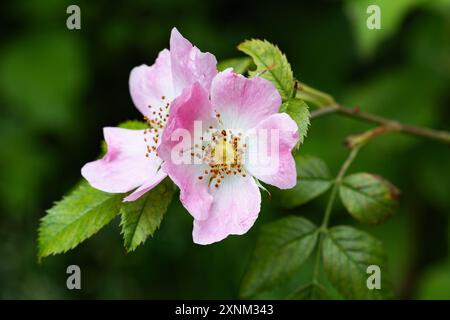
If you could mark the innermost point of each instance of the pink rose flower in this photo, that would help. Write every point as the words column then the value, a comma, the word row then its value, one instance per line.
column 218, row 186
column 132, row 162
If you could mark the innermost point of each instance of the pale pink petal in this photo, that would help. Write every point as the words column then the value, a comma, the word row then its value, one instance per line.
column 136, row 194
column 243, row 102
column 274, row 164
column 192, row 105
column 194, row 193
column 125, row 166
column 236, row 206
column 189, row 64
column 151, row 87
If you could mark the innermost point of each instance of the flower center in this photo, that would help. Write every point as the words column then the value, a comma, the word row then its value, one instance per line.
column 223, row 153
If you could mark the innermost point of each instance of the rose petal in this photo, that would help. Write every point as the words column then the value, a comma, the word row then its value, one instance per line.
column 274, row 163
column 191, row 106
column 136, row 194
column 125, row 166
column 194, row 193
column 189, row 64
column 235, row 208
column 152, row 85
column 243, row 102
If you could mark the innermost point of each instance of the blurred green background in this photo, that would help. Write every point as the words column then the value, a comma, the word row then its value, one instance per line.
column 58, row 88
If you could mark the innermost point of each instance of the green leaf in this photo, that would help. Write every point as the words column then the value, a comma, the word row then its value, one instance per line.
column 142, row 217
column 313, row 179
column 281, row 249
column 347, row 252
column 368, row 198
column 239, row 65
column 133, row 125
column 75, row 218
column 298, row 110
column 271, row 64
column 311, row 291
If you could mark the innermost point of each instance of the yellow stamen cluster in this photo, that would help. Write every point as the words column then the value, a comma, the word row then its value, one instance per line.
column 223, row 154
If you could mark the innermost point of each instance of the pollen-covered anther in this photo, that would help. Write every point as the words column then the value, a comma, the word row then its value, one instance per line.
column 223, row 154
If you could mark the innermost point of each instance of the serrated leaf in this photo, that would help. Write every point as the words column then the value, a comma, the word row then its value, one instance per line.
column 313, row 179
column 311, row 291
column 271, row 64
column 281, row 249
column 75, row 218
column 142, row 217
column 347, row 252
column 368, row 198
column 239, row 65
column 298, row 110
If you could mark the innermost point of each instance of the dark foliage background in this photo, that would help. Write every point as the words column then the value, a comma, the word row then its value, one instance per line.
column 58, row 88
